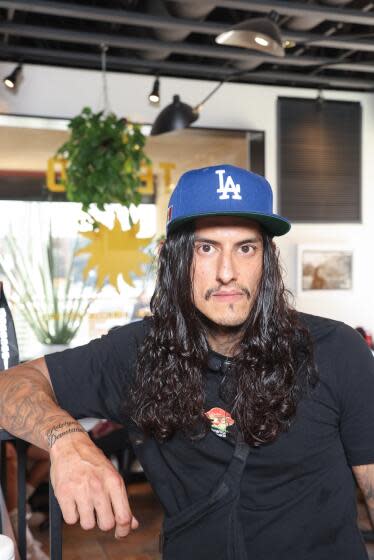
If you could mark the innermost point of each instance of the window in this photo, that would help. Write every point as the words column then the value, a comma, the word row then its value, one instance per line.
column 319, row 155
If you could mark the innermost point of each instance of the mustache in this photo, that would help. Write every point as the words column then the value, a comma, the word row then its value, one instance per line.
column 211, row 291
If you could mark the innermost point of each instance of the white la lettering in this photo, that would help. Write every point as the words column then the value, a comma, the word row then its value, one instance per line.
column 227, row 187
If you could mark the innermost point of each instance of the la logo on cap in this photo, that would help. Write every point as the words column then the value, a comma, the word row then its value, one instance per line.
column 227, row 186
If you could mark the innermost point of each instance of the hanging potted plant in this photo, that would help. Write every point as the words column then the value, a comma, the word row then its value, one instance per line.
column 104, row 154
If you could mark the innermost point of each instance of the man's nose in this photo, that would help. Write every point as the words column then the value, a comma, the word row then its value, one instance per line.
column 226, row 270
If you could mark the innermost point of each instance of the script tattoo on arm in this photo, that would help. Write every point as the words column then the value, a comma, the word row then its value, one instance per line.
column 28, row 408
column 365, row 479
column 54, row 433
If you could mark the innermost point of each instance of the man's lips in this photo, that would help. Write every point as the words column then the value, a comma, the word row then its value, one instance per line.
column 223, row 296
column 227, row 294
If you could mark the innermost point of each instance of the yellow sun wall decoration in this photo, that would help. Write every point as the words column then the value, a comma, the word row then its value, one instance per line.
column 115, row 252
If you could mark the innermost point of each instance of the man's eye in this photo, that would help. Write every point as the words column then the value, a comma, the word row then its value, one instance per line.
column 206, row 248
column 246, row 249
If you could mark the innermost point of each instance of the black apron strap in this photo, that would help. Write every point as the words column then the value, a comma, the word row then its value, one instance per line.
column 238, row 461
column 210, row 527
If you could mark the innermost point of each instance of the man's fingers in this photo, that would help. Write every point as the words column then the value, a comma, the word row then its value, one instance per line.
column 106, row 519
column 104, row 513
column 68, row 510
column 86, row 514
column 125, row 521
column 94, row 494
column 134, row 523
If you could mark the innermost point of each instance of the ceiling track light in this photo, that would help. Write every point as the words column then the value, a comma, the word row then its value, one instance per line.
column 289, row 44
column 154, row 96
column 259, row 34
column 12, row 81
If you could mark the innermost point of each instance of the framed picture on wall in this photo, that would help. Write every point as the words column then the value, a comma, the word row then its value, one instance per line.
column 324, row 268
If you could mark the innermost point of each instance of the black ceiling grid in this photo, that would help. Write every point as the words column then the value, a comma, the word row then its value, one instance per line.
column 333, row 39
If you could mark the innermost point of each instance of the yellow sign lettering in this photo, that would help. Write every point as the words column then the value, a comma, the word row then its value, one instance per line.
column 146, row 177
column 167, row 168
column 56, row 174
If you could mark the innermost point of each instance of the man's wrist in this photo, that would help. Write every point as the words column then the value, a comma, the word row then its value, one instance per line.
column 62, row 429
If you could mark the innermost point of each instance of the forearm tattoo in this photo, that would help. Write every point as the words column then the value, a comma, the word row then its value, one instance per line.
column 54, row 434
column 28, row 408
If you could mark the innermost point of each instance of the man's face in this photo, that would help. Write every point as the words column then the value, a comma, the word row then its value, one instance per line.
column 227, row 268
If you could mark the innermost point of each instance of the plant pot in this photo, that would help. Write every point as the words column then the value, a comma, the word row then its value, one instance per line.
column 51, row 348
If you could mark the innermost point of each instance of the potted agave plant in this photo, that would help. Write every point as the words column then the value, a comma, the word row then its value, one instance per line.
column 52, row 304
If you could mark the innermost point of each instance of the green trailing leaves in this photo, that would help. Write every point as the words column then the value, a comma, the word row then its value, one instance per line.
column 104, row 157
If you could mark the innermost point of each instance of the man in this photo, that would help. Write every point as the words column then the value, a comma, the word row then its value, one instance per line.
column 248, row 418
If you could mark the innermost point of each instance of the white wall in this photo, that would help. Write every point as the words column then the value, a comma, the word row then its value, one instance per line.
column 48, row 91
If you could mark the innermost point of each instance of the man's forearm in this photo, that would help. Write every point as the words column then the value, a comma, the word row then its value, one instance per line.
column 28, row 408
column 86, row 485
column 365, row 479
column 368, row 493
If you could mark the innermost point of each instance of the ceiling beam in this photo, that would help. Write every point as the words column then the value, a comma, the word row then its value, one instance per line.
column 287, row 8
column 350, row 42
column 133, row 43
column 136, row 19
column 309, row 81
column 214, row 73
column 283, row 7
column 120, row 41
column 367, row 68
column 93, row 13
column 120, row 63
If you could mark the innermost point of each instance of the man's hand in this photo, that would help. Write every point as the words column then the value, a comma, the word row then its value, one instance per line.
column 88, row 487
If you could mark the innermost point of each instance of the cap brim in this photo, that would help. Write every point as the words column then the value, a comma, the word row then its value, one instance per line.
column 274, row 224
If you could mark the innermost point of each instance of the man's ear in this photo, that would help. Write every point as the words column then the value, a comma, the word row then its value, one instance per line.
column 159, row 244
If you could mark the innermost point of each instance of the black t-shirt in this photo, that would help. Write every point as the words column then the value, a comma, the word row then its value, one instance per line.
column 298, row 493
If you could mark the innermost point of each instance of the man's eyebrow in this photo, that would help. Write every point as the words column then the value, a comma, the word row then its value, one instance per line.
column 250, row 240
column 205, row 240
column 216, row 242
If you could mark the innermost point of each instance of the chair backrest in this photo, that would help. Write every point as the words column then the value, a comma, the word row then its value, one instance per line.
column 9, row 355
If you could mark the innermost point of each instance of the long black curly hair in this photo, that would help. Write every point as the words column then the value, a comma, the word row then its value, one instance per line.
column 273, row 364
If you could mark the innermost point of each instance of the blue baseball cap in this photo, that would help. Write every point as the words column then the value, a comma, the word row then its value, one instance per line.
column 224, row 190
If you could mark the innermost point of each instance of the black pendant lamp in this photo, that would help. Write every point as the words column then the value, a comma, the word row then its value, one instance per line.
column 13, row 79
column 175, row 116
column 259, row 34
